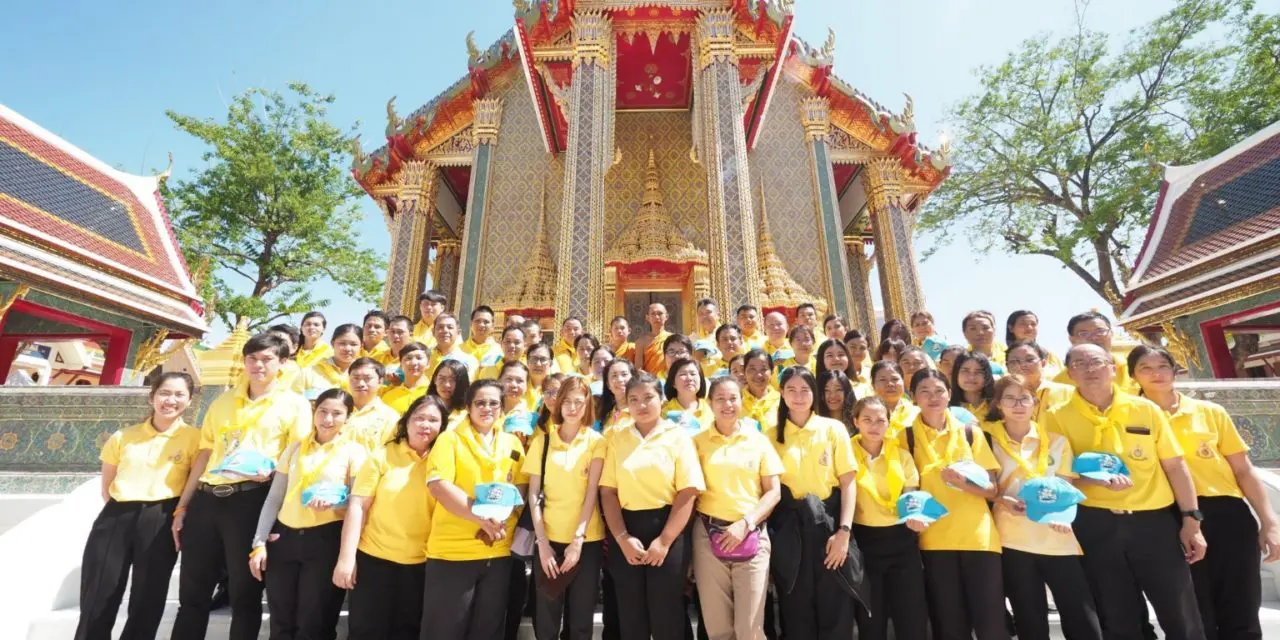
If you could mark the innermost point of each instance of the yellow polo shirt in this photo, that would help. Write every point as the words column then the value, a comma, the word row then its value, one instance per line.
column 1135, row 429
column 764, row 409
column 378, row 352
column 1208, row 436
column 565, row 356
column 618, row 420
column 753, row 341
column 491, row 372
column 401, row 396
column 320, row 377
column 814, row 456
column 373, row 424
column 649, row 471
column 422, row 333
column 266, row 425
column 462, row 457
column 880, row 509
column 1049, row 395
column 150, row 465
column 472, row 365
column 399, row 519
column 482, row 351
column 968, row 525
column 701, row 412
column 1016, row 531
column 771, row 348
column 307, row 357
column 565, row 487
column 732, row 467
column 309, row 462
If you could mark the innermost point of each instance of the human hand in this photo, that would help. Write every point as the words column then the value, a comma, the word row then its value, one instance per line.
column 657, row 553
column 344, row 573
column 837, row 550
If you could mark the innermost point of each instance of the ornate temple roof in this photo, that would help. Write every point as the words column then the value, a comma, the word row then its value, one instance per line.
column 535, row 291
column 779, row 289
column 651, row 234
column 1214, row 236
column 73, row 226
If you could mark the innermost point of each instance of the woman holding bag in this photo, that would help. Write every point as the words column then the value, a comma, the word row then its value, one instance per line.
column 564, row 466
column 730, row 547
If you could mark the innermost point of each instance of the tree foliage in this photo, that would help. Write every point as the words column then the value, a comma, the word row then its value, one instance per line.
column 274, row 211
column 1058, row 155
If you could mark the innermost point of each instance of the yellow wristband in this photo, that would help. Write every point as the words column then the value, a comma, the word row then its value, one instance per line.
column 257, row 551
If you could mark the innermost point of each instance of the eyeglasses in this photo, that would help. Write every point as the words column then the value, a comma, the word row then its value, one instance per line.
column 1097, row 333
column 1026, row 362
column 1089, row 365
column 540, row 360
column 487, row 404
column 1024, row 401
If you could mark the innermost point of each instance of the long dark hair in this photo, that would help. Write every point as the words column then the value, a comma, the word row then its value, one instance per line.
column 344, row 329
column 823, row 380
column 1143, row 350
column 784, row 413
column 165, row 377
column 461, row 384
column 402, row 425
column 926, row 374
column 336, row 393
column 669, row 389
column 828, row 345
column 608, row 402
column 895, row 328
column 988, row 378
column 1013, row 319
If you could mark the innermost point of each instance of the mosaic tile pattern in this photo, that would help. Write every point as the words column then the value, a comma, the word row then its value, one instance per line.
column 684, row 184
column 1190, row 325
column 1254, row 405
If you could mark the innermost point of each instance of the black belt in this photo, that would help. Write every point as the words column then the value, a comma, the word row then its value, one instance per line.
column 228, row 490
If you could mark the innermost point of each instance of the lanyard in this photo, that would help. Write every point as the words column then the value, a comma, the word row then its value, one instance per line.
column 894, row 478
column 244, row 418
column 486, row 457
column 1106, row 428
column 1001, row 436
column 307, row 476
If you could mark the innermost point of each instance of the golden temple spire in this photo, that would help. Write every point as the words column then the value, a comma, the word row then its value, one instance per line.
column 779, row 288
column 652, row 235
column 536, row 288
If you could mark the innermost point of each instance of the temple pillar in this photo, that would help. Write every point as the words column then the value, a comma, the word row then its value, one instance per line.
column 892, row 225
column 444, row 277
column 815, row 114
column 580, row 280
column 862, row 303
column 410, row 211
column 718, row 98
column 484, row 136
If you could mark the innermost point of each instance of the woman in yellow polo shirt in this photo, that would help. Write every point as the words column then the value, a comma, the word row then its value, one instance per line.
column 894, row 577
column 1228, row 586
column 1028, row 360
column 887, row 384
column 835, row 388
column 859, row 349
column 760, row 399
column 384, row 537
column 331, row 372
column 803, row 345
column 961, row 551
column 413, row 363
column 975, row 384
column 686, row 389
column 913, row 359
column 300, row 528
column 144, row 469
column 450, row 383
column 741, row 470
column 583, row 345
column 1035, row 555
column 541, row 363
column 564, row 467
column 313, row 348
column 650, row 481
column 612, row 412
column 817, row 461
column 468, row 555
column 514, row 379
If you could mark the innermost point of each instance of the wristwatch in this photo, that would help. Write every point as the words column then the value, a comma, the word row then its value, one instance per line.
column 846, row 528
column 1194, row 514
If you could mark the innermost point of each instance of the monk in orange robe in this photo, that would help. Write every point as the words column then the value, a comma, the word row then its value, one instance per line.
column 649, row 355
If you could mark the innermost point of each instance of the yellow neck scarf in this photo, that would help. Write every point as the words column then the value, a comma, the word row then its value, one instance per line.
column 925, row 436
column 307, row 476
column 894, row 477
column 1014, row 449
column 1107, row 425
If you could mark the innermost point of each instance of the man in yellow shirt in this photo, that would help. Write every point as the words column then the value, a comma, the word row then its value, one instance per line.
column 375, row 331
column 512, row 351
column 258, row 418
column 649, row 355
column 1134, row 544
column 775, row 332
column 708, row 320
column 807, row 315
column 430, row 304
column 749, row 321
column 399, row 334
column 565, row 352
column 480, row 343
column 447, row 338
column 1092, row 327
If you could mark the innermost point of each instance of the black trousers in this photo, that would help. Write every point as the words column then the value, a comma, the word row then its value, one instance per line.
column 817, row 607
column 966, row 595
column 579, row 596
column 218, row 531
column 305, row 604
column 386, row 603
column 1025, row 577
column 465, row 599
column 517, row 596
column 1228, row 586
column 896, row 581
column 651, row 599
column 1129, row 555
column 126, row 535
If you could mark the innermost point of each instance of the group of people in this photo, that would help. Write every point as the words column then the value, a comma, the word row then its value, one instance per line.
column 807, row 480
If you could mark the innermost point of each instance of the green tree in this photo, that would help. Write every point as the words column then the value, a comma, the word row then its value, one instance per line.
column 274, row 211
column 1058, row 154
column 1249, row 97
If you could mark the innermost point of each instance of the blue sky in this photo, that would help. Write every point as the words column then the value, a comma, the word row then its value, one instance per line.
column 101, row 75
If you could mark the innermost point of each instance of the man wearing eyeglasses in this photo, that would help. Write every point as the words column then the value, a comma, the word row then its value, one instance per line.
column 1094, row 328
column 1135, row 541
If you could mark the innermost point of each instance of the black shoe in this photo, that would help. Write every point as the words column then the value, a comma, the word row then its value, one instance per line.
column 221, row 598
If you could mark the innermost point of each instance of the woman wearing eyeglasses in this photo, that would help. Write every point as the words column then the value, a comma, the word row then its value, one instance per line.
column 1030, row 361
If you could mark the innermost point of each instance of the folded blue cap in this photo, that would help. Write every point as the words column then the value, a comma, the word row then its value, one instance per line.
column 973, row 473
column 597, row 388
column 520, row 423
column 1050, row 500
column 707, row 345
column 496, row 500
column 919, row 505
column 334, row 493
column 783, row 354
column 245, row 463
column 686, row 421
column 963, row 415
column 1099, row 466
column 720, row 373
column 491, row 360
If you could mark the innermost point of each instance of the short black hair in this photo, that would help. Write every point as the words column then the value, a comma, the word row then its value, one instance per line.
column 405, row 320
column 706, row 302
column 412, row 346
column 314, row 314
column 366, row 361
column 484, row 308
column 376, row 313
column 267, row 340
column 669, row 389
column 677, row 338
column 805, row 305
column 289, row 330
column 433, row 296
column 727, row 327
column 344, row 329
column 1085, row 317
column 745, row 307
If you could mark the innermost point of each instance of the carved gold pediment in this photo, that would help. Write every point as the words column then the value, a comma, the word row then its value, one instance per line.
column 652, row 235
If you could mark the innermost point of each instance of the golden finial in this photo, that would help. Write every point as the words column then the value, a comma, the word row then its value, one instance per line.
column 944, row 147
column 393, row 118
column 652, row 186
column 168, row 170
column 909, row 111
column 148, row 354
column 829, row 47
column 1182, row 348
column 521, row 6
column 356, row 152
column 473, row 52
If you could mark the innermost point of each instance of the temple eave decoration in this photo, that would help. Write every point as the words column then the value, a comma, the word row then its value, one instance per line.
column 652, row 236
column 534, row 294
column 780, row 292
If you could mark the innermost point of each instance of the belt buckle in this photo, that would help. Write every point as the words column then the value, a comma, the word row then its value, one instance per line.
column 1122, row 512
column 223, row 490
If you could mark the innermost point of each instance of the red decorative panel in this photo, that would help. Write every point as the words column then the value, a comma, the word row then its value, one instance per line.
column 654, row 75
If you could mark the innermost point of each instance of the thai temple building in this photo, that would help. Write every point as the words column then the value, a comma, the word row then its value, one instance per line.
column 606, row 154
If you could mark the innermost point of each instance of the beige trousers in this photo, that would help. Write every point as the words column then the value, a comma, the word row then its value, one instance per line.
column 732, row 594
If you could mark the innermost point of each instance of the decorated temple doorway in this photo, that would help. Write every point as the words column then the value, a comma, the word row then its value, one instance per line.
column 636, row 304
